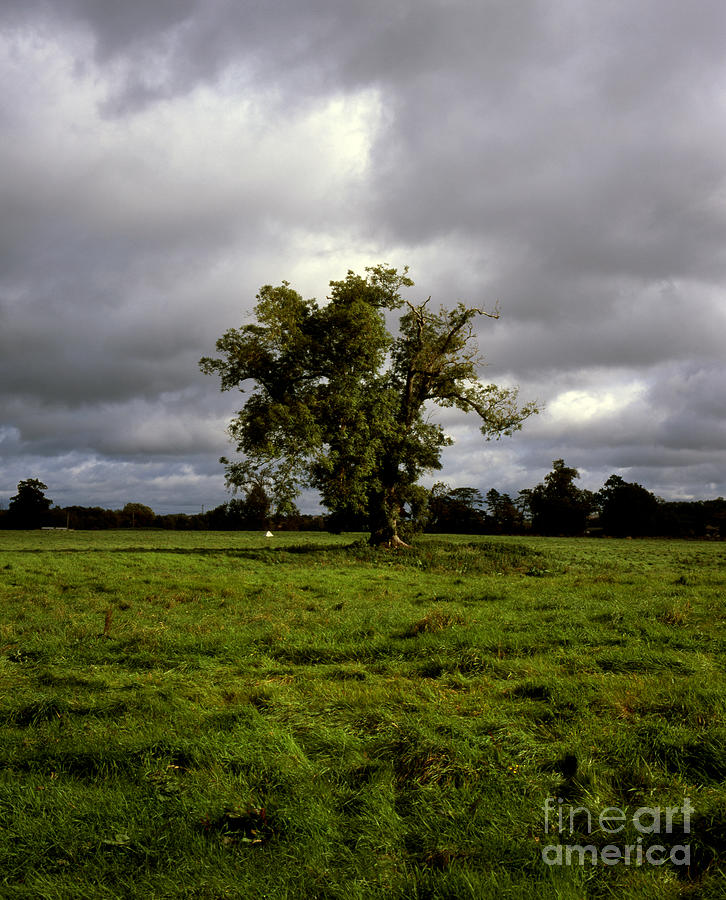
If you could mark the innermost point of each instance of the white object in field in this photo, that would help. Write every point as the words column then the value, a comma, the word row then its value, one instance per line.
column 269, row 534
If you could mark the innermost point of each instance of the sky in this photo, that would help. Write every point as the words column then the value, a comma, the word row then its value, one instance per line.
column 160, row 161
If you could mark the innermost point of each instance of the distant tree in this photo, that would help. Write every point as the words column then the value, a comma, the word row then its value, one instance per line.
column 268, row 492
column 558, row 506
column 692, row 518
column 94, row 518
column 345, row 519
column 627, row 508
column 251, row 512
column 505, row 517
column 138, row 516
column 340, row 404
column 257, row 507
column 233, row 515
column 180, row 522
column 29, row 507
column 716, row 517
column 524, row 507
column 456, row 510
column 215, row 519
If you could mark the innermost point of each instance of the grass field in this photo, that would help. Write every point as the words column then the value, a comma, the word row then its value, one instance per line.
column 208, row 715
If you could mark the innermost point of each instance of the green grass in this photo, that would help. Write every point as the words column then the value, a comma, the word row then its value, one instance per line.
column 220, row 715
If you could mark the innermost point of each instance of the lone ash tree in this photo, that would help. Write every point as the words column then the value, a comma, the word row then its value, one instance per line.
column 337, row 402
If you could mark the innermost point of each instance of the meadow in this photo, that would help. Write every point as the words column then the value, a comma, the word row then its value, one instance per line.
column 209, row 715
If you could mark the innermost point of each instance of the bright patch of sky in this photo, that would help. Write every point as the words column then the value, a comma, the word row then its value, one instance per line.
column 575, row 406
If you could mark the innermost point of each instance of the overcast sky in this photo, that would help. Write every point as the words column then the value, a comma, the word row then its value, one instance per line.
column 160, row 160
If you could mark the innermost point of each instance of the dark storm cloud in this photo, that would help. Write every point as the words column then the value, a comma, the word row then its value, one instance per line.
column 162, row 160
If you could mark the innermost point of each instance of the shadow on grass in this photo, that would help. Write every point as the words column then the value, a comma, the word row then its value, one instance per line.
column 251, row 553
column 473, row 557
column 106, row 761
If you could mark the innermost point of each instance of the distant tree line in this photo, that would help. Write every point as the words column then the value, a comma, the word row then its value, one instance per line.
column 30, row 508
column 557, row 506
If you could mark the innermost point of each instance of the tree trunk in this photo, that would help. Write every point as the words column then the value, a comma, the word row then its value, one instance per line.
column 385, row 513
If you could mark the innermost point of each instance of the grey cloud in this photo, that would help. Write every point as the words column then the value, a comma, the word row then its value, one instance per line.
column 642, row 330
column 564, row 159
column 83, row 480
column 164, row 48
column 165, row 425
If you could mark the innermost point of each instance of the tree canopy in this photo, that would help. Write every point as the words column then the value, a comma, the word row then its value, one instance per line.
column 456, row 510
column 627, row 508
column 338, row 401
column 505, row 516
column 138, row 515
column 557, row 505
column 29, row 506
